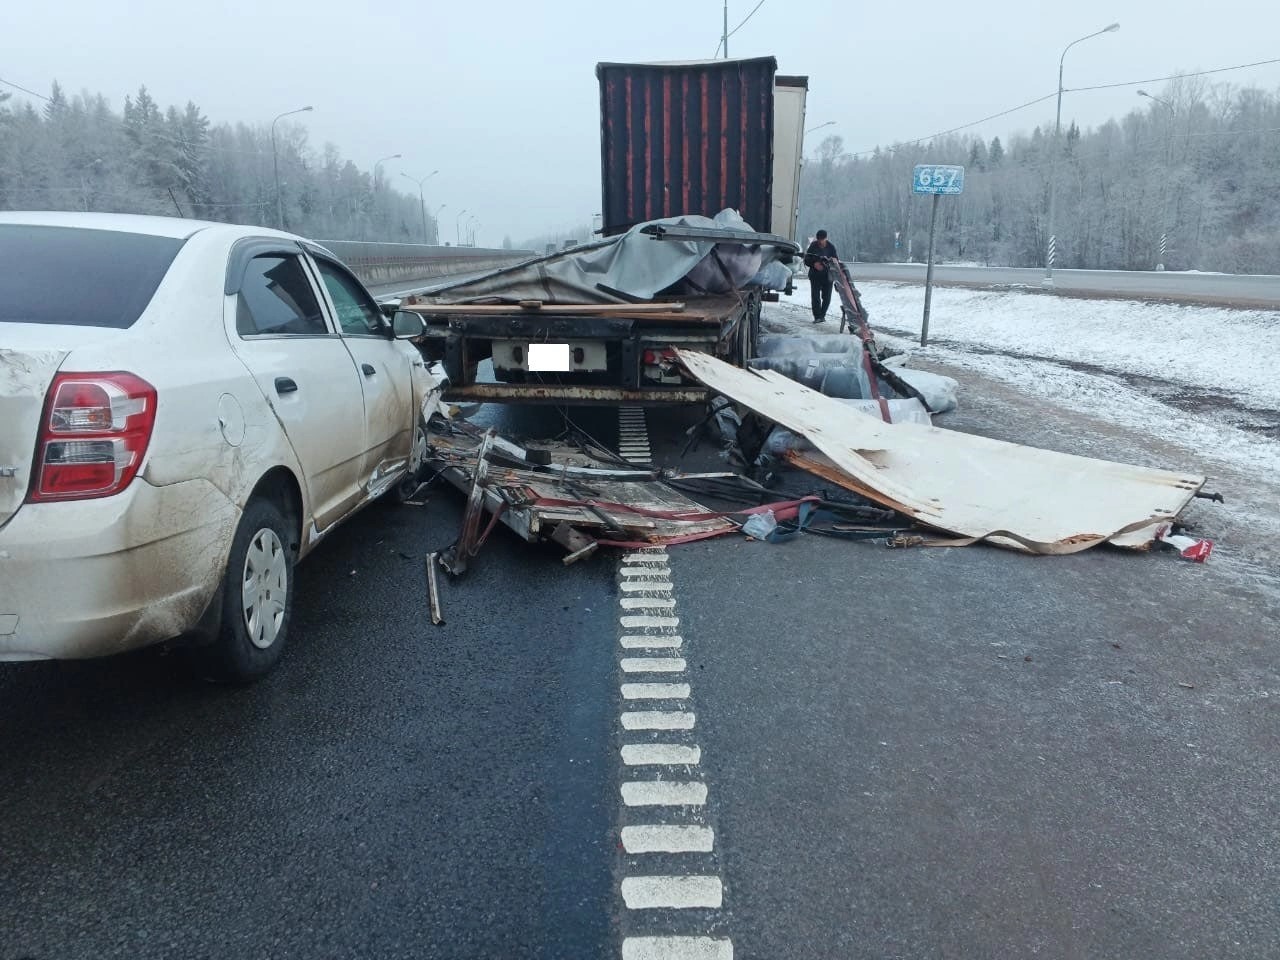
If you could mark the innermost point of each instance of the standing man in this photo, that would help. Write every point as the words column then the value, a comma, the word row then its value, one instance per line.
column 820, row 276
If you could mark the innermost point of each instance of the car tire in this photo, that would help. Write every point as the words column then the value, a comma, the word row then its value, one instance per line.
column 257, row 597
column 411, row 482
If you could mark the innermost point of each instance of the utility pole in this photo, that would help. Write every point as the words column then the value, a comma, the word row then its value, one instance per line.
column 724, row 38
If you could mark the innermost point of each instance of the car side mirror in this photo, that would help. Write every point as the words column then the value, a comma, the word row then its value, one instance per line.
column 406, row 325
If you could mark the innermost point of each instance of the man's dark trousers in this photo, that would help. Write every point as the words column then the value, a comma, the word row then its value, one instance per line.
column 820, row 288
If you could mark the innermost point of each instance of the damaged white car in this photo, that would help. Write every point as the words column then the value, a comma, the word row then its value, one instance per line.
column 186, row 410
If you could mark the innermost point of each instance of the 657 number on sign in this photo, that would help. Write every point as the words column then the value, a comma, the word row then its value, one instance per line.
column 937, row 178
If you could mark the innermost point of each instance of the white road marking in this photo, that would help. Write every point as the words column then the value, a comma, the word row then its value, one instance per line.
column 653, row 665
column 676, row 948
column 655, row 641
column 667, row 838
column 655, row 691
column 664, row 793
column 660, row 754
column 681, row 893
column 647, row 586
column 639, row 621
column 645, row 555
column 658, row 720
column 646, row 573
column 647, row 603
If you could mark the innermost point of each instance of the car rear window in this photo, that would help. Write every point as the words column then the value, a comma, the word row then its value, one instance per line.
column 69, row 275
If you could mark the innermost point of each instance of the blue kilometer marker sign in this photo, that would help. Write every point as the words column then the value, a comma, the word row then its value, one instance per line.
column 938, row 179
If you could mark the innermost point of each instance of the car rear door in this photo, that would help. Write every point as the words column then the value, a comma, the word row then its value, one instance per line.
column 281, row 333
column 386, row 374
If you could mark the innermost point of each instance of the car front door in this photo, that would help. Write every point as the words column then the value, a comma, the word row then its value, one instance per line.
column 279, row 330
column 386, row 375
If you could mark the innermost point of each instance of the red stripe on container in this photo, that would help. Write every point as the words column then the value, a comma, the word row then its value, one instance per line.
column 648, row 154
column 629, row 201
column 685, row 134
column 666, row 145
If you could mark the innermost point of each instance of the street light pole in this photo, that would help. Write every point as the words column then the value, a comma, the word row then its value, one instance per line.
column 472, row 223
column 394, row 156
column 435, row 223
column 1050, row 249
column 422, row 202
column 829, row 123
column 457, row 228
column 1164, row 184
column 275, row 162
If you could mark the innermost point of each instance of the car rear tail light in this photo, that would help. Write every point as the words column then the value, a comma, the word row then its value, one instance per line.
column 93, row 437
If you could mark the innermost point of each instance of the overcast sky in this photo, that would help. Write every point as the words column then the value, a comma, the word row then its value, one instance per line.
column 501, row 96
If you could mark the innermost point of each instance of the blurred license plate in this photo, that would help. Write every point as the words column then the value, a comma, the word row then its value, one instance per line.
column 550, row 357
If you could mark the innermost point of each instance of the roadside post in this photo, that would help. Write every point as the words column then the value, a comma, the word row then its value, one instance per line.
column 938, row 180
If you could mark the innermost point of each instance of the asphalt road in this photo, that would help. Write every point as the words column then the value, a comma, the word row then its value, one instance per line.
column 907, row 754
column 1235, row 290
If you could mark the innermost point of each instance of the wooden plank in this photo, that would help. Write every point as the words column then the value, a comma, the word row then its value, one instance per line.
column 974, row 486
column 559, row 309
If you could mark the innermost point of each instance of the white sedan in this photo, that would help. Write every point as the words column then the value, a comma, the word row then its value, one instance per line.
column 186, row 410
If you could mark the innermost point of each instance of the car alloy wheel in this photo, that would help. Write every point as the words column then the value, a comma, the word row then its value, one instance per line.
column 264, row 587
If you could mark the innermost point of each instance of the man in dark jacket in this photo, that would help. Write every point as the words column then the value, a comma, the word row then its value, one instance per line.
column 820, row 275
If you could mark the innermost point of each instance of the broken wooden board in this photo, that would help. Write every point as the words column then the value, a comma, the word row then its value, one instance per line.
column 611, row 504
column 974, row 487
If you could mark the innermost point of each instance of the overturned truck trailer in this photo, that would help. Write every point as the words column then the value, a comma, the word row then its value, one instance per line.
column 699, row 169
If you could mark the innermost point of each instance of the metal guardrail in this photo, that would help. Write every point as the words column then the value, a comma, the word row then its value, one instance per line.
column 375, row 262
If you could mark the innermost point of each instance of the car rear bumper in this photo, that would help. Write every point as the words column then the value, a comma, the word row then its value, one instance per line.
column 95, row 577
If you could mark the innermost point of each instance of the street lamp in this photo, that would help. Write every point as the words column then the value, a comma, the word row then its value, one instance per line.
column 275, row 161
column 472, row 223
column 829, row 123
column 1053, row 169
column 435, row 223
column 1164, row 182
column 422, row 203
column 1143, row 93
column 457, row 228
column 377, row 164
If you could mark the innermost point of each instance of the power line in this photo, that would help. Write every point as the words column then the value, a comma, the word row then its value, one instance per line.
column 1176, row 76
column 18, row 86
column 1050, row 96
column 737, row 28
column 746, row 18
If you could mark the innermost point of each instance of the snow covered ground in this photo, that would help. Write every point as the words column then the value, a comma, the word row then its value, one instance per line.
column 1162, row 385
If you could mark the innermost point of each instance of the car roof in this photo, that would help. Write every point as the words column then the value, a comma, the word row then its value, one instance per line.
column 175, row 227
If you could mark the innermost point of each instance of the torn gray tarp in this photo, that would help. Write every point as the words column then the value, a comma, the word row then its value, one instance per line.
column 622, row 269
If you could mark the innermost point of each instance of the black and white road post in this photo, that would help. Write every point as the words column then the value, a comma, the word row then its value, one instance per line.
column 937, row 180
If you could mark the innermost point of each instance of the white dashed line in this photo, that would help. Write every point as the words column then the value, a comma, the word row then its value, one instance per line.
column 655, row 691
column 645, row 572
column 657, row 641
column 647, row 603
column 676, row 948
column 647, row 615
column 657, row 720
column 653, row 665
column 646, row 586
column 681, row 893
column 664, row 793
column 660, row 754
column 667, row 838
column 645, row 620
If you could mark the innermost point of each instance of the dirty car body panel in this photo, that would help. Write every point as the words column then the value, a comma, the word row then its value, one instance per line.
column 94, row 574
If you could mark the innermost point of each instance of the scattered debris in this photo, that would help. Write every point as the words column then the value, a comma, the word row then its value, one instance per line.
column 973, row 487
column 1187, row 686
column 433, row 590
column 1195, row 549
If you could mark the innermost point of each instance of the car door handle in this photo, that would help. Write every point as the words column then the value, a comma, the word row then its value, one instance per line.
column 367, row 369
column 285, row 385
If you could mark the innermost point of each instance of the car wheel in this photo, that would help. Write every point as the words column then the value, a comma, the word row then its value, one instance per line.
column 412, row 481
column 257, row 602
